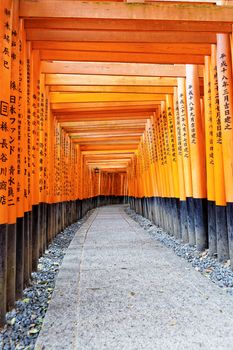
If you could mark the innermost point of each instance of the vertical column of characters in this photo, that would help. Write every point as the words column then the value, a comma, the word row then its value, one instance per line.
column 139, row 172
column 5, row 73
column 42, row 131
column 63, row 165
column 47, row 156
column 75, row 174
column 173, row 166
column 155, row 167
column 51, row 165
column 139, row 169
column 146, row 165
column 54, row 150
column 172, row 145
column 160, row 154
column 156, row 153
column 178, row 134
column 145, row 177
column 72, row 171
column 79, row 172
column 29, row 137
column 35, row 61
column 140, row 190
column 66, row 175
column 14, row 126
column 58, row 169
column 154, row 157
column 182, row 194
column 71, row 168
column 62, row 168
column 163, row 133
column 210, row 160
column 168, row 151
column 35, row 138
column 67, row 182
column 22, row 126
column 163, row 178
column 145, row 160
column 150, row 157
column 168, row 170
column 143, row 169
column 225, row 86
column 135, row 174
column 197, row 145
column 69, row 191
column 186, row 158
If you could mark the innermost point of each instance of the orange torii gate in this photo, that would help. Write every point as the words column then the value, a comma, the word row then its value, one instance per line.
column 107, row 101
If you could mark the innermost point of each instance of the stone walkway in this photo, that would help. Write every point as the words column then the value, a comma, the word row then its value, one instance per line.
column 118, row 289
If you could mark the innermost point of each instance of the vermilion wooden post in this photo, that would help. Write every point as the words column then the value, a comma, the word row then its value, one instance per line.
column 210, row 160
column 186, row 157
column 168, row 169
column 219, row 182
column 182, row 195
column 5, row 73
column 36, row 212
column 174, row 168
column 197, row 145
column 225, row 86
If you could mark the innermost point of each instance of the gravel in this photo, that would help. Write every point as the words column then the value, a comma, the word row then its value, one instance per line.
column 24, row 322
column 219, row 273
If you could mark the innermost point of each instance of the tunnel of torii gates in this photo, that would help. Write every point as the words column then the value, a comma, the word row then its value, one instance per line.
column 113, row 102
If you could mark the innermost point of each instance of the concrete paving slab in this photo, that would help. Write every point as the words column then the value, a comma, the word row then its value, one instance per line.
column 118, row 288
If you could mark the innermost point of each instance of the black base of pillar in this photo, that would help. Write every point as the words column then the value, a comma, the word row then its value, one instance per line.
column 19, row 258
column 11, row 265
column 212, row 238
column 190, row 220
column 35, row 236
column 221, row 232
column 230, row 230
column 184, row 221
column 200, row 221
column 3, row 272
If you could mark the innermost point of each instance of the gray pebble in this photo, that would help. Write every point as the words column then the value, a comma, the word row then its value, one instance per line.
column 202, row 262
column 29, row 311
